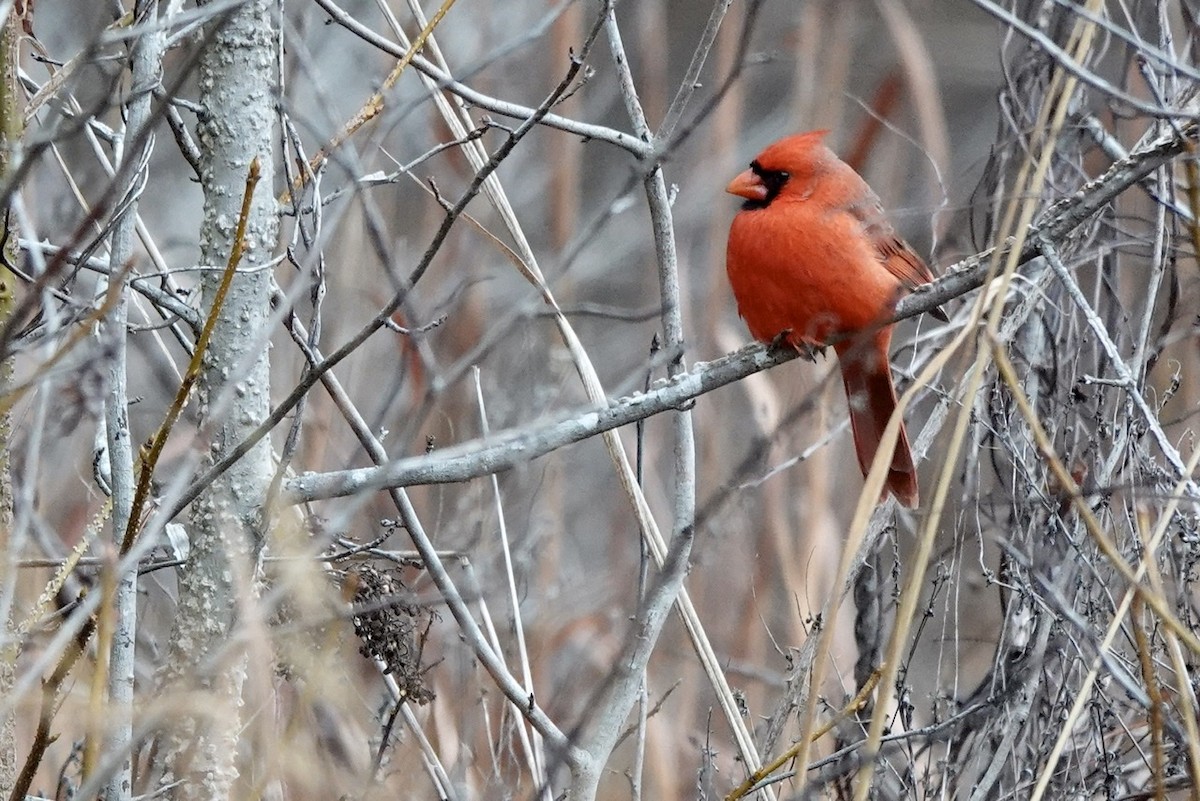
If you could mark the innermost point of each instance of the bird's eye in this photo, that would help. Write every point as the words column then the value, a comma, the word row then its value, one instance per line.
column 773, row 180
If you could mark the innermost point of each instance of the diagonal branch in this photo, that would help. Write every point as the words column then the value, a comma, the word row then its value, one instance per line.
column 383, row 318
column 474, row 97
column 507, row 449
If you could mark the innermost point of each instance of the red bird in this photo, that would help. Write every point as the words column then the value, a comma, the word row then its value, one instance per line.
column 813, row 259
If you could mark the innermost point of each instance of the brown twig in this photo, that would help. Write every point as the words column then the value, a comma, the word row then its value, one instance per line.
column 151, row 455
column 371, row 109
column 42, row 738
column 1155, row 601
column 1146, row 661
column 758, row 776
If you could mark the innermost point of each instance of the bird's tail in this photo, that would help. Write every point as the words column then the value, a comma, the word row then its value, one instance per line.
column 872, row 399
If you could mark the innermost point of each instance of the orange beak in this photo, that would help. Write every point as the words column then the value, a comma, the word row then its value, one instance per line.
column 749, row 186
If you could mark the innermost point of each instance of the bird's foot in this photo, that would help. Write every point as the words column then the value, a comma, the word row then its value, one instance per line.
column 784, row 341
column 811, row 352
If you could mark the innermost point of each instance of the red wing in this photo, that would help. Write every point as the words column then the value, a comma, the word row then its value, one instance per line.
column 902, row 261
column 896, row 254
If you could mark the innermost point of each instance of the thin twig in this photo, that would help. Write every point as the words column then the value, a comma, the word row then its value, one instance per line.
column 853, row 705
column 149, row 459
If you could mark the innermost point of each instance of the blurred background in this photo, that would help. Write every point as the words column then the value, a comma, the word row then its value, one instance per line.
column 936, row 104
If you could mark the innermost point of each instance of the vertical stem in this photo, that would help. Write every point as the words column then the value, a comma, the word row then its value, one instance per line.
column 625, row 687
column 145, row 62
column 10, row 134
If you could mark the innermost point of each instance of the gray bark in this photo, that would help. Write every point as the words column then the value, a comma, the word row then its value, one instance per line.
column 144, row 67
column 238, row 80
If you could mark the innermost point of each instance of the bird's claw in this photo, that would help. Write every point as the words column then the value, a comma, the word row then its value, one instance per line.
column 811, row 352
column 784, row 341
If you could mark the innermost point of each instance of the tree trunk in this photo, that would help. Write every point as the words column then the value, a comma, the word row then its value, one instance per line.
column 238, row 81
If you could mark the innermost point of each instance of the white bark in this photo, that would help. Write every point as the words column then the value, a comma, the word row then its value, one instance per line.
column 599, row 735
column 144, row 68
column 238, row 81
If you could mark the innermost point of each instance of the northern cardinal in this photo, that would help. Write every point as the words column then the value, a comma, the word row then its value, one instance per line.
column 813, row 260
